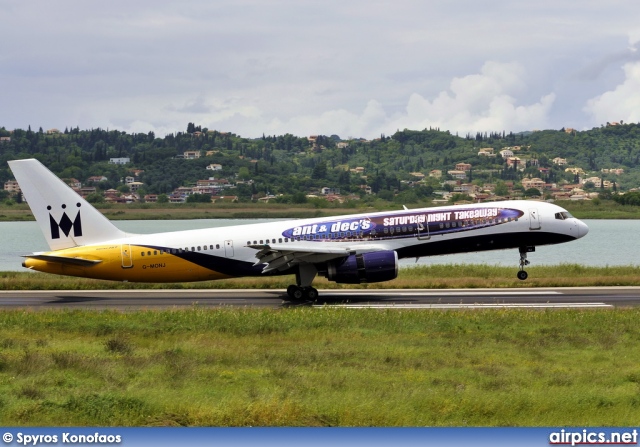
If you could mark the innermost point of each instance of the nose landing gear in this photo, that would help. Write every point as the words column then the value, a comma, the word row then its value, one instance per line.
column 522, row 274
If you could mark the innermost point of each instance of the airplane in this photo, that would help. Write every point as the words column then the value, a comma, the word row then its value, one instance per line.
column 351, row 249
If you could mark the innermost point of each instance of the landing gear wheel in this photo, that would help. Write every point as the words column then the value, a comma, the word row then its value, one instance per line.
column 295, row 293
column 522, row 275
column 310, row 293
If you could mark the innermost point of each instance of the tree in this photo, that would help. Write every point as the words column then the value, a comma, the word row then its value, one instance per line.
column 532, row 192
column 199, row 198
column 299, row 197
column 319, row 171
column 501, row 189
column 243, row 173
column 95, row 198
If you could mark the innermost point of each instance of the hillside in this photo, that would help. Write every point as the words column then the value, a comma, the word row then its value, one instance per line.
column 393, row 167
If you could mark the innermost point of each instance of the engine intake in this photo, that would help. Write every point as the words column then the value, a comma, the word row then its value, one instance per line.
column 363, row 268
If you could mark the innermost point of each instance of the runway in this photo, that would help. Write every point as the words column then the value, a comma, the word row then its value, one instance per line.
column 575, row 297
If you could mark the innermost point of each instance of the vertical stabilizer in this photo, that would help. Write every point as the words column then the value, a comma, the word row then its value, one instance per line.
column 65, row 218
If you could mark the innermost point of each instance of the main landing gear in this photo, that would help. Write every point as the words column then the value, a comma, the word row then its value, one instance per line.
column 297, row 293
column 522, row 274
column 302, row 290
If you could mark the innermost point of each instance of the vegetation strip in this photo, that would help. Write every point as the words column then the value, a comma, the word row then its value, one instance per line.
column 337, row 367
column 407, row 167
column 439, row 276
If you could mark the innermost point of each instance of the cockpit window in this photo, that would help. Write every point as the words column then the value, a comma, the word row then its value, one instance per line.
column 563, row 215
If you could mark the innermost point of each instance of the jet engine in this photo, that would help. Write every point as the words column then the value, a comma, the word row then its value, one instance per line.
column 364, row 268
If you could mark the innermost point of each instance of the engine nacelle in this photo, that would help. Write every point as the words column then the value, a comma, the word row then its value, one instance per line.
column 366, row 267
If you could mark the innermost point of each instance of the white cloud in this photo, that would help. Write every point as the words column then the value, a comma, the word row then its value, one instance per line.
column 634, row 39
column 357, row 68
column 486, row 101
column 621, row 103
column 340, row 122
column 478, row 102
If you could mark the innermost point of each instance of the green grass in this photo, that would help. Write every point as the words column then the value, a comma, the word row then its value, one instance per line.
column 437, row 276
column 320, row 367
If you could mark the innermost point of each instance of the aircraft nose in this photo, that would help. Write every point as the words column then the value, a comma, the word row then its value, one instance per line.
column 583, row 229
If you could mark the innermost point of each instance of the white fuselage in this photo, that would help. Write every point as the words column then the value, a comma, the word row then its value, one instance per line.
column 231, row 251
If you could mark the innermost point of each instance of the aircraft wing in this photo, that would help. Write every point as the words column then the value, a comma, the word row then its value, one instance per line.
column 284, row 256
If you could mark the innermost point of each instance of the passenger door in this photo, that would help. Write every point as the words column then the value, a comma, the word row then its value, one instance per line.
column 127, row 259
column 534, row 219
column 228, row 249
column 423, row 231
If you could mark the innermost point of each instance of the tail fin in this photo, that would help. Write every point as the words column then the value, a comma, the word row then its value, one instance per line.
column 65, row 218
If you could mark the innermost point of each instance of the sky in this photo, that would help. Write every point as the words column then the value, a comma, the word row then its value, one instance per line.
column 353, row 68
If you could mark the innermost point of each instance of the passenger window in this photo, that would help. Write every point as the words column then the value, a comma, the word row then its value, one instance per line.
column 142, row 253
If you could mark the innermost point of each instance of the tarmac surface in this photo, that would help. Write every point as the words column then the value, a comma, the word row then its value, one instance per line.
column 573, row 297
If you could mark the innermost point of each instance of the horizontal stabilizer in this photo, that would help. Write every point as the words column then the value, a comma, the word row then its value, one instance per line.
column 65, row 260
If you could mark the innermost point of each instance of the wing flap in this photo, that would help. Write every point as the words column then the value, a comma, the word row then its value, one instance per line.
column 283, row 256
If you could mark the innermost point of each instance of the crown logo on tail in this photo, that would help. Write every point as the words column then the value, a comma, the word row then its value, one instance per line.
column 65, row 224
